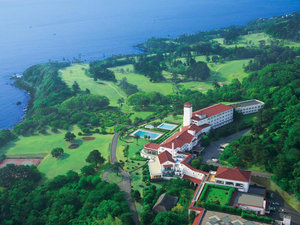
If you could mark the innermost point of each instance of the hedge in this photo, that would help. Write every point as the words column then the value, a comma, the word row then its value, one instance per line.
column 222, row 208
column 254, row 217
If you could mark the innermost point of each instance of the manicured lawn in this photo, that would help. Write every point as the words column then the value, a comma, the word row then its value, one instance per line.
column 114, row 178
column 143, row 83
column 215, row 193
column 230, row 70
column 251, row 40
column 76, row 72
column 73, row 159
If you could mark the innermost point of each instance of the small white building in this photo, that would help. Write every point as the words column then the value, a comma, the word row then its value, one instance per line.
column 233, row 177
column 249, row 106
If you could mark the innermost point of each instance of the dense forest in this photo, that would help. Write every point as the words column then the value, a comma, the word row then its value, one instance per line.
column 66, row 199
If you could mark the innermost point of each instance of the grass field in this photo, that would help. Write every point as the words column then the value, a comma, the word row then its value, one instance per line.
column 222, row 72
column 215, row 193
column 253, row 40
column 73, row 159
column 76, row 72
column 143, row 83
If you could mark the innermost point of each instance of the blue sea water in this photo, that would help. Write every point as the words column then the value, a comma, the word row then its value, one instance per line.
column 35, row 31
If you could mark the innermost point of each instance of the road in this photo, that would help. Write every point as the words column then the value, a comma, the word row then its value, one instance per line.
column 212, row 150
column 125, row 184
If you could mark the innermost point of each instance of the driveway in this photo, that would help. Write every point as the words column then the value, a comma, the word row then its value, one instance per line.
column 125, row 184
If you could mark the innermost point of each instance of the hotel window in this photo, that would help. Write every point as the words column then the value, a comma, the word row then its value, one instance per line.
column 239, row 185
column 229, row 183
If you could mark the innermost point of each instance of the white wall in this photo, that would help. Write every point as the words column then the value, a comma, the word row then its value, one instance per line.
column 245, row 187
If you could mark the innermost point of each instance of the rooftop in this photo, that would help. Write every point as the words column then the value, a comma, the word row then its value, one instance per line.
column 248, row 103
column 212, row 110
column 165, row 156
column 154, row 167
column 151, row 146
column 233, row 174
column 249, row 199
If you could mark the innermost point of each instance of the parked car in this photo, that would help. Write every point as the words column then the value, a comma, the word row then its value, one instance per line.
column 214, row 159
column 276, row 203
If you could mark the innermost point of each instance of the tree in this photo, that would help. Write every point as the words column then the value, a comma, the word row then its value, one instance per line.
column 69, row 136
column 214, row 58
column 88, row 170
column 75, row 87
column 205, row 141
column 136, row 195
column 57, row 152
column 137, row 137
column 198, row 71
column 95, row 158
column 87, row 91
column 121, row 101
column 115, row 167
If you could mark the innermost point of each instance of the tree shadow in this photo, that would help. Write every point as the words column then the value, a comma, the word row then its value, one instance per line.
column 64, row 156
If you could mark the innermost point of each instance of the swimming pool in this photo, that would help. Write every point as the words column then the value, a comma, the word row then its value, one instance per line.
column 143, row 133
column 167, row 126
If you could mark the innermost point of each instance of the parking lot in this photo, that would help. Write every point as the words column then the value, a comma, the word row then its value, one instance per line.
column 283, row 209
column 213, row 151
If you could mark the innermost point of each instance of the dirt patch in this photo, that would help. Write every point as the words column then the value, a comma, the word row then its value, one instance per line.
column 20, row 162
column 73, row 146
column 200, row 88
column 88, row 138
column 236, row 75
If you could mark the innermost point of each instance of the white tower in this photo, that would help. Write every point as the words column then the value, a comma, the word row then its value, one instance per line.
column 187, row 114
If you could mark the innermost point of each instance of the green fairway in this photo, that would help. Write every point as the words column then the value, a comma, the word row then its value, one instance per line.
column 76, row 72
column 230, row 70
column 143, row 83
column 73, row 159
column 253, row 40
column 216, row 194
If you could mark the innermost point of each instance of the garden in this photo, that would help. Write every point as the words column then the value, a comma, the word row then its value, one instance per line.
column 217, row 194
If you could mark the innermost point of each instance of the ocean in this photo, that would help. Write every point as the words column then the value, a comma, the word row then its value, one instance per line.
column 36, row 31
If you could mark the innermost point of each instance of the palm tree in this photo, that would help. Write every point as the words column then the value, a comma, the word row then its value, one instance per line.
column 137, row 137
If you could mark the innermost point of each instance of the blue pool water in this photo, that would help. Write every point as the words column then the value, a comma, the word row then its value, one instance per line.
column 167, row 126
column 152, row 135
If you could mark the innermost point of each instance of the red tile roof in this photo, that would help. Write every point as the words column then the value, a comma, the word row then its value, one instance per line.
column 183, row 137
column 198, row 217
column 212, row 110
column 165, row 157
column 186, row 163
column 233, row 174
column 192, row 179
column 151, row 146
column 168, row 166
